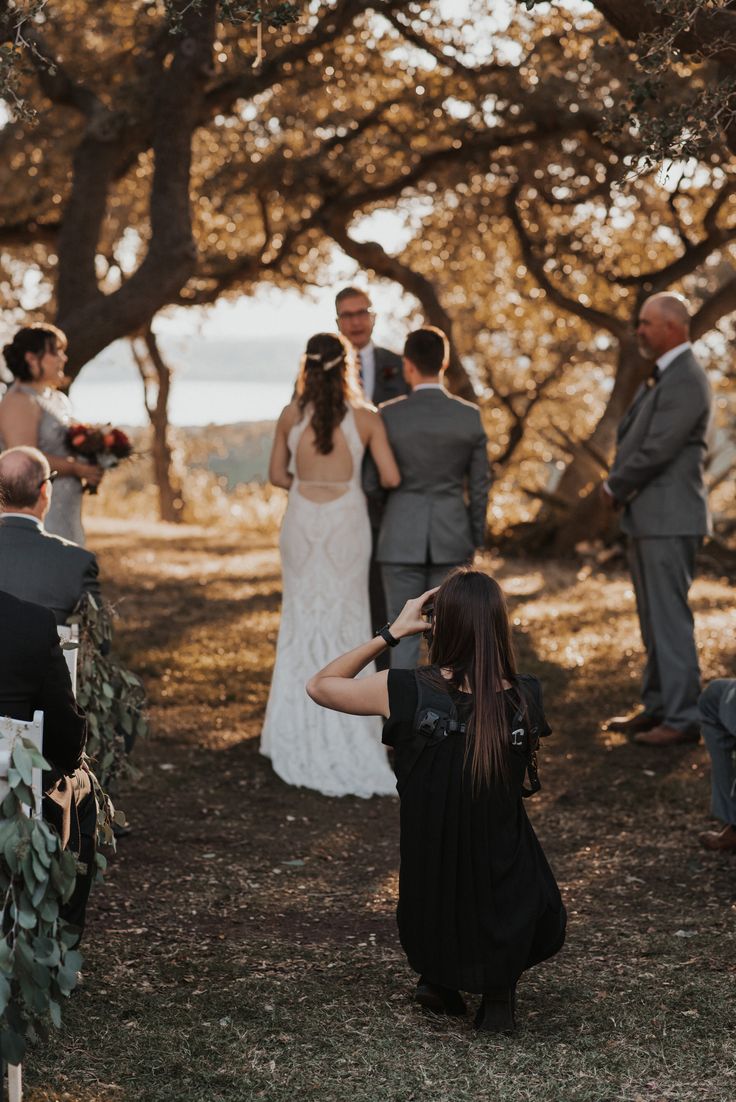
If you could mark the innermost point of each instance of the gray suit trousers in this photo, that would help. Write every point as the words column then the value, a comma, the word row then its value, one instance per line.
column 662, row 569
column 718, row 711
column 402, row 581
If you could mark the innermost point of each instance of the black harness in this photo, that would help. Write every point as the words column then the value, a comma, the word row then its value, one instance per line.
column 436, row 718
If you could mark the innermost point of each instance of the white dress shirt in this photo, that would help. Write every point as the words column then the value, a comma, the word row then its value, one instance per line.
column 368, row 369
column 666, row 358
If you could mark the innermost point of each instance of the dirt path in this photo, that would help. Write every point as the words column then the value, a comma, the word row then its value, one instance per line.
column 245, row 944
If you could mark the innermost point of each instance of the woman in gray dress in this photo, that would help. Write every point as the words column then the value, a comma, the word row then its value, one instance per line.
column 35, row 412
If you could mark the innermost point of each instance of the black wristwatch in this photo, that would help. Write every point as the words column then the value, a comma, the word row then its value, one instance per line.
column 387, row 636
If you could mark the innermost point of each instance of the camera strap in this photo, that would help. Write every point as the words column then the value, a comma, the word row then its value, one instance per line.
column 436, row 718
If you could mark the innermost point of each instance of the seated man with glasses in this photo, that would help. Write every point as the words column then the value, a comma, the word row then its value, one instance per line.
column 34, row 565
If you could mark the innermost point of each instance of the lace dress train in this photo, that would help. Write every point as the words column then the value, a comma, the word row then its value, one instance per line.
column 325, row 552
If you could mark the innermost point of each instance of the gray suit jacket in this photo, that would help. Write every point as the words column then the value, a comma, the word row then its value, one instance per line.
column 389, row 382
column 662, row 442
column 439, row 510
column 44, row 569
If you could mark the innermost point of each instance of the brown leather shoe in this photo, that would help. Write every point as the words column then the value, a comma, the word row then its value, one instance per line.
column 667, row 736
column 631, row 725
column 723, row 840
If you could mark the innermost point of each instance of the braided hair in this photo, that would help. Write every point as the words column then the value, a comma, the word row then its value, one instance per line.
column 325, row 384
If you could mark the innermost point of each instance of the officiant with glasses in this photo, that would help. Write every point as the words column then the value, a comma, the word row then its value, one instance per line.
column 35, row 412
column 381, row 377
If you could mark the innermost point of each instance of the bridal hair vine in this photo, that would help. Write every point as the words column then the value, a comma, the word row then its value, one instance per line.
column 329, row 364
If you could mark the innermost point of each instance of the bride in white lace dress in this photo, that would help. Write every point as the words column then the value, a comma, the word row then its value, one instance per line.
column 325, row 552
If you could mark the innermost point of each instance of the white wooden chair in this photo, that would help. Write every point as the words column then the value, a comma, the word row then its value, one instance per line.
column 69, row 639
column 10, row 730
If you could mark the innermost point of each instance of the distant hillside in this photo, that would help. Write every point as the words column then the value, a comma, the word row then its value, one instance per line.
column 237, row 453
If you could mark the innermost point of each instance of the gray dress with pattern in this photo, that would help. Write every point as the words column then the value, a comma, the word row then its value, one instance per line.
column 65, row 515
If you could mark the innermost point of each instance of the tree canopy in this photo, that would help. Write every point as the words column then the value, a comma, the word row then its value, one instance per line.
column 165, row 168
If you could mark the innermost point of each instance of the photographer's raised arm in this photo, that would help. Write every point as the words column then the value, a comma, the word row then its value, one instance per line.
column 338, row 687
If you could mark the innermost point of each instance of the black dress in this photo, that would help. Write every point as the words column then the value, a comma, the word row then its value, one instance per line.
column 478, row 903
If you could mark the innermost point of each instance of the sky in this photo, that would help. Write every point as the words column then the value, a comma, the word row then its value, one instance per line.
column 274, row 312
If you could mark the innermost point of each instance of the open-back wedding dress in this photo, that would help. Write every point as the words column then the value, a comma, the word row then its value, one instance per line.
column 325, row 551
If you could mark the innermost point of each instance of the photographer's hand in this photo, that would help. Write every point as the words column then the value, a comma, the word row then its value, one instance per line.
column 410, row 620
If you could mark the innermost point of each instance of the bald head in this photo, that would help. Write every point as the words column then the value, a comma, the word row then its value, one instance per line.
column 23, row 481
column 664, row 322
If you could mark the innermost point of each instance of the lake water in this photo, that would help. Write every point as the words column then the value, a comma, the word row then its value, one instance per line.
column 215, row 381
column 191, row 402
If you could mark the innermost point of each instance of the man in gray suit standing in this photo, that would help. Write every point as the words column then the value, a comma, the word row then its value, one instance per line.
column 436, row 518
column 657, row 479
column 34, row 565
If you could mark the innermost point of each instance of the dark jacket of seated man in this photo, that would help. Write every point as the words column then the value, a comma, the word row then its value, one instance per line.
column 35, row 565
column 35, row 677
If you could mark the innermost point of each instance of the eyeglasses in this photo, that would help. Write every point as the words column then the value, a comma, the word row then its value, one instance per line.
column 50, row 477
column 348, row 314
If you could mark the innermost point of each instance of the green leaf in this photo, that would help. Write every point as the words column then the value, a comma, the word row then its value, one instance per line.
column 38, row 893
column 46, row 951
column 27, row 917
column 11, row 855
column 55, row 1012
column 73, row 959
column 4, row 993
column 22, row 762
column 41, row 975
column 66, row 979
column 49, row 910
column 69, row 934
column 23, row 792
column 34, row 997
column 39, row 869
column 12, row 1046
column 38, row 841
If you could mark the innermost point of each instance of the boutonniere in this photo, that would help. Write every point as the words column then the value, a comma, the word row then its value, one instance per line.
column 389, row 372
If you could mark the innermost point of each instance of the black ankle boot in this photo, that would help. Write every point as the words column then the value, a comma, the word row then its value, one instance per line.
column 440, row 1000
column 496, row 1011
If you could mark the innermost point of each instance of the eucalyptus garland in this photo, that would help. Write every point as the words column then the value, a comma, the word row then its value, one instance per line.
column 38, row 966
column 113, row 698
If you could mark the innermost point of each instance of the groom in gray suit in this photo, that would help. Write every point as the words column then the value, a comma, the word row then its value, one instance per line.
column 657, row 479
column 436, row 518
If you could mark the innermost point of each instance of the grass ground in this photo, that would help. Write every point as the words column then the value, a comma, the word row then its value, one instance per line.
column 244, row 946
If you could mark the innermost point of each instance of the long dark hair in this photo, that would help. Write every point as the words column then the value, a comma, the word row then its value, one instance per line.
column 36, row 339
column 472, row 639
column 325, row 383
